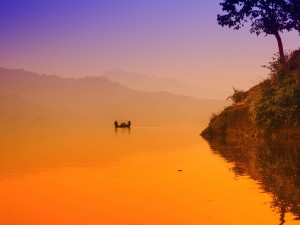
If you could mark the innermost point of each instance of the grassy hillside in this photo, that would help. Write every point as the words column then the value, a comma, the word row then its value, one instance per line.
column 271, row 108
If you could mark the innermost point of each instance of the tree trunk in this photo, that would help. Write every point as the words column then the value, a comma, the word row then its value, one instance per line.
column 280, row 46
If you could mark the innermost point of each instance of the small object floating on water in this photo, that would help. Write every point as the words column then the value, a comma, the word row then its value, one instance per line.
column 179, row 170
column 122, row 125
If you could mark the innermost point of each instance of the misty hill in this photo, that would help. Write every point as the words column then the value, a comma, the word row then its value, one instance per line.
column 141, row 82
column 33, row 97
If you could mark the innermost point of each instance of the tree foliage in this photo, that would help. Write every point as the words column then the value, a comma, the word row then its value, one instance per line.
column 265, row 16
column 295, row 14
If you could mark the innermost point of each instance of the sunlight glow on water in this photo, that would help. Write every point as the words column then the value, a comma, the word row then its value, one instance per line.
column 102, row 176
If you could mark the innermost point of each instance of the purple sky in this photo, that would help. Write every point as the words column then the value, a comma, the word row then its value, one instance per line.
column 165, row 38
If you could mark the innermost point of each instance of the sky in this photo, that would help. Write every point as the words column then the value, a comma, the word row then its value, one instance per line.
column 178, row 39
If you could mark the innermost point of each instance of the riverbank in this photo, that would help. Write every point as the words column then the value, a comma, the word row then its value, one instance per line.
column 269, row 109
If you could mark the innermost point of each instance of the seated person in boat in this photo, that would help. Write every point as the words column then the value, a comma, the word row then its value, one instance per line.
column 122, row 125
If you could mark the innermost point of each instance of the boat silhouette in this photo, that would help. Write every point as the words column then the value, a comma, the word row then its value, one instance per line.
column 122, row 125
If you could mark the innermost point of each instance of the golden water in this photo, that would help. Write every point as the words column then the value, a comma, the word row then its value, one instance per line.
column 145, row 176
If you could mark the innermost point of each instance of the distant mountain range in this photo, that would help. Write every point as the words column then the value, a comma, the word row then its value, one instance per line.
column 27, row 97
column 141, row 82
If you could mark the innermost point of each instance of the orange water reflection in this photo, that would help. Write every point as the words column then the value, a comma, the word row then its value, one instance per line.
column 70, row 176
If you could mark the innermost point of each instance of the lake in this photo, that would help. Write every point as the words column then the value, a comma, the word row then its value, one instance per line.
column 143, row 176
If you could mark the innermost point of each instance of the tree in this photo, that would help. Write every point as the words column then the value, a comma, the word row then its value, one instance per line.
column 295, row 13
column 270, row 17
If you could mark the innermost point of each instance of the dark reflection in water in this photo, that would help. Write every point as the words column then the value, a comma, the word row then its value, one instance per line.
column 122, row 130
column 274, row 165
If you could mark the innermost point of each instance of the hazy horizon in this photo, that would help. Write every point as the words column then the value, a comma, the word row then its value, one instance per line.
column 170, row 39
column 33, row 99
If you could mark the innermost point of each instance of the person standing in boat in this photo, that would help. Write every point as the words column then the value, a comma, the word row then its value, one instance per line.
column 129, row 123
column 116, row 124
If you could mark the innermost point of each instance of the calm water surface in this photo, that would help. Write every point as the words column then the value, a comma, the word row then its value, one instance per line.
column 145, row 176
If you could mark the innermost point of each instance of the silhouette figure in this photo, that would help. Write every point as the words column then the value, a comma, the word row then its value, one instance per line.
column 122, row 125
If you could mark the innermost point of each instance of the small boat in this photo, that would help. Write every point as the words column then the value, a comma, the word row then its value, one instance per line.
column 122, row 125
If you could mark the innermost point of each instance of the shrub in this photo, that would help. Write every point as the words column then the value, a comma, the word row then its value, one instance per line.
column 238, row 95
column 218, row 123
column 278, row 103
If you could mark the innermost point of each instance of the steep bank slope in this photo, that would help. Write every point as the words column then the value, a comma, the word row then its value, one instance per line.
column 269, row 109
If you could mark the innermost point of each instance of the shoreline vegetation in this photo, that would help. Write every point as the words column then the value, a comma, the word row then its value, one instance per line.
column 270, row 109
